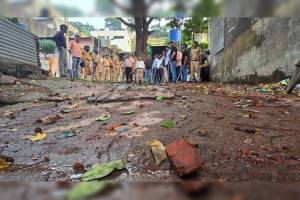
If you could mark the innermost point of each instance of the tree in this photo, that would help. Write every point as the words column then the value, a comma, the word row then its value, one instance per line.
column 138, row 9
column 84, row 28
column 113, row 24
column 194, row 25
column 47, row 46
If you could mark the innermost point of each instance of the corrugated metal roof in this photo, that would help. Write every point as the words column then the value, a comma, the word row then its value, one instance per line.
column 16, row 44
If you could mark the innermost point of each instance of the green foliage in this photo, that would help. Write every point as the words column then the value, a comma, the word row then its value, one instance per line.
column 194, row 25
column 14, row 20
column 168, row 123
column 174, row 23
column 113, row 24
column 84, row 28
column 208, row 8
column 47, row 46
column 204, row 45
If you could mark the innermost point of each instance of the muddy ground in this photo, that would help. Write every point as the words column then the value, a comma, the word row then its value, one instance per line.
column 240, row 133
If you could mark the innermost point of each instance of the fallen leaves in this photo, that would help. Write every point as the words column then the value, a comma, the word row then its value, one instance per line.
column 128, row 112
column 66, row 134
column 168, row 123
column 101, row 170
column 158, row 151
column 160, row 98
column 37, row 137
column 86, row 190
column 4, row 164
column 103, row 117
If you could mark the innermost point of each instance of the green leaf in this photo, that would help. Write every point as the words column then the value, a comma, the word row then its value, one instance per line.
column 101, row 170
column 128, row 112
column 104, row 117
column 160, row 98
column 66, row 134
column 67, row 110
column 167, row 124
column 86, row 189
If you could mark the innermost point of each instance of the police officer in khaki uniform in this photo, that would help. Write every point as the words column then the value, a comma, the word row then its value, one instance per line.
column 194, row 64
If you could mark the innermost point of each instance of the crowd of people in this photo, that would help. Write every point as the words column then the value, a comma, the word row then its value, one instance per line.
column 172, row 65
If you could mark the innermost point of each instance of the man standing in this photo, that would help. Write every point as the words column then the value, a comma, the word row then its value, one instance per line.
column 173, row 60
column 61, row 45
column 184, row 61
column 75, row 51
column 194, row 68
column 148, row 69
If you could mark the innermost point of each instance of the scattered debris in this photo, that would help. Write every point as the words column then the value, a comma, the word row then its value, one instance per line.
column 158, row 151
column 101, row 170
column 183, row 157
column 248, row 141
column 49, row 120
column 246, row 130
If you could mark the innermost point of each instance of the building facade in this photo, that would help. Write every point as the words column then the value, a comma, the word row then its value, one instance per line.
column 121, row 39
column 254, row 50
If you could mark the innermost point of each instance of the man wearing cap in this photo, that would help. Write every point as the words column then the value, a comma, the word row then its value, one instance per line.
column 61, row 45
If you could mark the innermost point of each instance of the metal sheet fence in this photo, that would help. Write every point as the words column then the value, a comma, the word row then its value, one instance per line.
column 17, row 45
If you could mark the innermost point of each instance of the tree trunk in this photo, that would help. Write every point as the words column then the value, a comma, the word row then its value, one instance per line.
column 141, row 29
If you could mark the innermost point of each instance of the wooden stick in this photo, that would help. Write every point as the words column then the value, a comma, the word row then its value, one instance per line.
column 264, row 127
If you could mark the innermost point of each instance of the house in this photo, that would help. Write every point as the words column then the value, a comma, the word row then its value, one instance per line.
column 119, row 38
column 92, row 42
column 253, row 50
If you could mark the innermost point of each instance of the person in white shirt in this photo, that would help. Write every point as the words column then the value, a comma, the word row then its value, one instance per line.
column 157, row 66
column 140, row 67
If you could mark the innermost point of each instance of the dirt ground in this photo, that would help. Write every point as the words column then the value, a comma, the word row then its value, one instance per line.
column 241, row 134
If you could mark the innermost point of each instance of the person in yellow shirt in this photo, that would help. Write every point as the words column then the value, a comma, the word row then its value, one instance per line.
column 116, row 68
column 87, row 62
column 95, row 63
column 106, row 68
column 99, row 69
column 194, row 64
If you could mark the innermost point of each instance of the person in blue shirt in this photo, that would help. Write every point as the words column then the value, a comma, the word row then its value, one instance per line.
column 61, row 46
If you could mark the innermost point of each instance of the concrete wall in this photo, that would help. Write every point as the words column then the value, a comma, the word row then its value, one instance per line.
column 256, row 50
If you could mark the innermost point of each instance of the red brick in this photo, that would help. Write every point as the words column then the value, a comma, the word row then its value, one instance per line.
column 183, row 157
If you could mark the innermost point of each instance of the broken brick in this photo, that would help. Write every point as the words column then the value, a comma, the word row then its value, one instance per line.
column 183, row 157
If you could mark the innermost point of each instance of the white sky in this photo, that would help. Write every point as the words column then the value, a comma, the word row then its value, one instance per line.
column 87, row 7
column 97, row 22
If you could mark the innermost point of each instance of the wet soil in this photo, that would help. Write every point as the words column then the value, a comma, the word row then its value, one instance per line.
column 213, row 117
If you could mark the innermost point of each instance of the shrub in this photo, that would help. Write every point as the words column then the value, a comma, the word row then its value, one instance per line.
column 47, row 46
column 204, row 45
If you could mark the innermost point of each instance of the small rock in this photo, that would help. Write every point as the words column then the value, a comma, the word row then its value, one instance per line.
column 46, row 158
column 78, row 168
column 38, row 130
